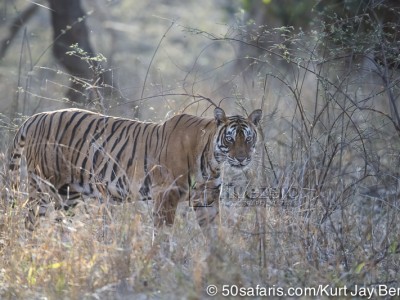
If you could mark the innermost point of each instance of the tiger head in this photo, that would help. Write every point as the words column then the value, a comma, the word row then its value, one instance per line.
column 236, row 137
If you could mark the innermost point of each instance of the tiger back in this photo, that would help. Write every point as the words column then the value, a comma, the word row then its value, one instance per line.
column 75, row 152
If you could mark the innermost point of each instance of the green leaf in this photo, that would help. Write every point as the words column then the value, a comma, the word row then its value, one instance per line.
column 393, row 247
column 359, row 268
column 32, row 275
column 55, row 265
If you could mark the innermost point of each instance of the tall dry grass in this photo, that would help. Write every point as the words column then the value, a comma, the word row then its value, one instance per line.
column 327, row 161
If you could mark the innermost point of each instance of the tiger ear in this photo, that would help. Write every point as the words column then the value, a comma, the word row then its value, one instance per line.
column 255, row 116
column 219, row 115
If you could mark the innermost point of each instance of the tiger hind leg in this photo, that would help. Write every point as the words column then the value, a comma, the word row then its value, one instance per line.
column 69, row 197
column 42, row 194
column 38, row 201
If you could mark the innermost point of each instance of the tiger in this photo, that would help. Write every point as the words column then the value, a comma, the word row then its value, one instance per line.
column 74, row 153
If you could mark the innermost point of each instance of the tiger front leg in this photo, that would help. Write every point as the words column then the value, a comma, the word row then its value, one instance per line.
column 205, row 201
column 165, row 206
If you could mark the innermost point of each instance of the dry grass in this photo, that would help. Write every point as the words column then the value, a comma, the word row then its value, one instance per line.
column 111, row 252
column 327, row 135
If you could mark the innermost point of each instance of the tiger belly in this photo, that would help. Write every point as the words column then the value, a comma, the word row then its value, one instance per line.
column 102, row 190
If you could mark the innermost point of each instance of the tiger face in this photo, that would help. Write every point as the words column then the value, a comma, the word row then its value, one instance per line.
column 236, row 138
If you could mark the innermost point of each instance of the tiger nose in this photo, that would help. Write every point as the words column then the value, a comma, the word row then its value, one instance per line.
column 241, row 158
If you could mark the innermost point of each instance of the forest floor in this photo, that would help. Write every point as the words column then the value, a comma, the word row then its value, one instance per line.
column 326, row 221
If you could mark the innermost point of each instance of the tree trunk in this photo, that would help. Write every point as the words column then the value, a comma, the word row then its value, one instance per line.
column 69, row 28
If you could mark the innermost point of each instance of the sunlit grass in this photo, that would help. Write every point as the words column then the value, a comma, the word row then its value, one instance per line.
column 104, row 251
column 327, row 134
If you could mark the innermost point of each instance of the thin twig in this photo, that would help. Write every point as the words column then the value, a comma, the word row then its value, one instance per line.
column 153, row 56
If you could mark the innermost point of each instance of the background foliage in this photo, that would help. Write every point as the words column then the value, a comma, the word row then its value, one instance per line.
column 326, row 74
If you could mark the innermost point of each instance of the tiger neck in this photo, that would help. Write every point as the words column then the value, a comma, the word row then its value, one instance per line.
column 209, row 166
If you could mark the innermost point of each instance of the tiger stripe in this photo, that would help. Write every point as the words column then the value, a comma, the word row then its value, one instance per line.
column 76, row 152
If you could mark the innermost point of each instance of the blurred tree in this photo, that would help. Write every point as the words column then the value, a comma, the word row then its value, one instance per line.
column 69, row 28
column 269, row 23
column 363, row 27
column 15, row 26
column 347, row 28
column 349, row 24
column 353, row 37
column 364, row 36
column 277, row 13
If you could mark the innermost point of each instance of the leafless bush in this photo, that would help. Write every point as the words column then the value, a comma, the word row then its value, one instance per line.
column 320, row 205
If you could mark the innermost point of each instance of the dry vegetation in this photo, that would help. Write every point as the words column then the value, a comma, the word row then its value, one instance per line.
column 329, row 158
